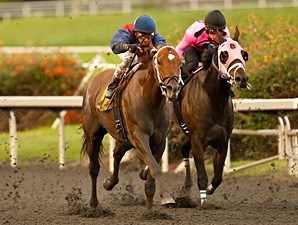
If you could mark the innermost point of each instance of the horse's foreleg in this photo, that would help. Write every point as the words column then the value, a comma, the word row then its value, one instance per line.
column 154, row 172
column 110, row 182
column 202, row 177
column 218, row 164
column 149, row 191
column 185, row 153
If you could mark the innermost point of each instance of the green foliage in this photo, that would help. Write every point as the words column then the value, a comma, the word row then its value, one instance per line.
column 37, row 74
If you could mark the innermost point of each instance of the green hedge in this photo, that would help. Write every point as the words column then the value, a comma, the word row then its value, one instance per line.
column 38, row 74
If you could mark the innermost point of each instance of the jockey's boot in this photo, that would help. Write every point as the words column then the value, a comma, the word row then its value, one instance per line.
column 114, row 83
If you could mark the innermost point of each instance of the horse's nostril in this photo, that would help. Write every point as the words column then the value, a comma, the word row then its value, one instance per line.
column 237, row 79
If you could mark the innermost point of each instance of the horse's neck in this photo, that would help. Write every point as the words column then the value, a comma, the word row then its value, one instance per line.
column 150, row 90
column 218, row 89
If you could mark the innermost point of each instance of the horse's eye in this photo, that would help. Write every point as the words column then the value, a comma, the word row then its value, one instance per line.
column 224, row 56
column 158, row 62
column 244, row 55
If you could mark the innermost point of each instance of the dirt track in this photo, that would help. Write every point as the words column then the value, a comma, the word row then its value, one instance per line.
column 43, row 194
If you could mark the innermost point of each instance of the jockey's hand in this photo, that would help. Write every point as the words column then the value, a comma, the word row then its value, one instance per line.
column 211, row 46
column 133, row 48
column 153, row 52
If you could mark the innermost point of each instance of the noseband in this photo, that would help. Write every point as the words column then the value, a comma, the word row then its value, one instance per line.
column 163, row 81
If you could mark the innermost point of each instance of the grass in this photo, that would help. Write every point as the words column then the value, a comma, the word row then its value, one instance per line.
column 95, row 30
column 278, row 167
column 42, row 143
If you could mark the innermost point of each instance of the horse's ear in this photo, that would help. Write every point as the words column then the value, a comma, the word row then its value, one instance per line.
column 220, row 38
column 236, row 34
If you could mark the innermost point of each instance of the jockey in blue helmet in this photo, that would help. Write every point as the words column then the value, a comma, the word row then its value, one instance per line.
column 134, row 38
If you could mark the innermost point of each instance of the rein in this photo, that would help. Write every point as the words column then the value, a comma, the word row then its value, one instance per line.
column 161, row 81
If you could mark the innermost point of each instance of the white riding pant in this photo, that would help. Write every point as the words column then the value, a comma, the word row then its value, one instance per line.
column 126, row 58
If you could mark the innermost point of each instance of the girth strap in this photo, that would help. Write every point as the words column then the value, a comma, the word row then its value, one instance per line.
column 116, row 109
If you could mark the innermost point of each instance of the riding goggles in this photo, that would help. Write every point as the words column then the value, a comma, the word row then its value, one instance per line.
column 214, row 32
column 140, row 35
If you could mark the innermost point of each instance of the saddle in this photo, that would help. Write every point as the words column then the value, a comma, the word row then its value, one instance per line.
column 107, row 104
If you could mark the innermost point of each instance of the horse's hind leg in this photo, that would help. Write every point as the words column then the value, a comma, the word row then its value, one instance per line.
column 119, row 151
column 93, row 143
column 218, row 164
column 202, row 178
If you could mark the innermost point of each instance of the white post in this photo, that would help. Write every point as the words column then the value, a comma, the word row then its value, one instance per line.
column 165, row 159
column 112, row 145
column 93, row 8
column 227, row 166
column 262, row 3
column 13, row 139
column 61, row 140
column 281, row 139
column 59, row 8
column 290, row 149
column 194, row 5
column 26, row 10
column 126, row 6
column 228, row 4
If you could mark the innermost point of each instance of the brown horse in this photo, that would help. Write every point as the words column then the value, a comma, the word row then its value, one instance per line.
column 146, row 117
column 204, row 110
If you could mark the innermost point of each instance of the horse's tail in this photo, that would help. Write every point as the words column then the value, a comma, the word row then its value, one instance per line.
column 84, row 142
column 84, row 146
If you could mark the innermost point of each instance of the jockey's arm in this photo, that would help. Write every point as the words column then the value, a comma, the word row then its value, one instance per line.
column 158, row 40
column 120, row 41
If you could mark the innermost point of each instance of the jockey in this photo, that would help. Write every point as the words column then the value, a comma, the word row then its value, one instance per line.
column 199, row 36
column 133, row 38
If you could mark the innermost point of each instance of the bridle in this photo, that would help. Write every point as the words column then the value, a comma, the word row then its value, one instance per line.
column 163, row 82
column 234, row 53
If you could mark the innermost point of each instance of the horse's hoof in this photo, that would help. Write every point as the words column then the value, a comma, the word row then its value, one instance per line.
column 210, row 189
column 93, row 203
column 168, row 201
column 107, row 184
column 203, row 203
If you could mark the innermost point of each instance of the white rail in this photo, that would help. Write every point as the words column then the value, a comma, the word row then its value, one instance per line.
column 287, row 136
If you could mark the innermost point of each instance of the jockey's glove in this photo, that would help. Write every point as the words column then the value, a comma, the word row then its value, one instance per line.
column 132, row 47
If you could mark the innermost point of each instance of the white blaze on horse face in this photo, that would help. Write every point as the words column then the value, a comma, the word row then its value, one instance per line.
column 171, row 57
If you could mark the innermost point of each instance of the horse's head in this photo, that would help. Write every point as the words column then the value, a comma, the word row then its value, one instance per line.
column 166, row 63
column 232, row 61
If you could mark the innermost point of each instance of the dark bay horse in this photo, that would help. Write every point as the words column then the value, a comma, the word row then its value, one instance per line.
column 205, row 112
column 146, row 113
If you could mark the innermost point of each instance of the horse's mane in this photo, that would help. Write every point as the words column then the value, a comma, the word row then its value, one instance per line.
column 207, row 57
column 145, row 60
